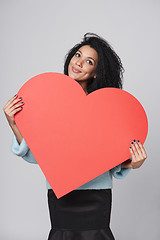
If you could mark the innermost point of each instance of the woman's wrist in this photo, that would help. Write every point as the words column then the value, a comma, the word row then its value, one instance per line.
column 13, row 124
column 126, row 164
column 16, row 132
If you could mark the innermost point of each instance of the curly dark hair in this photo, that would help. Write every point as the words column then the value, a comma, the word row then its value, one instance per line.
column 109, row 71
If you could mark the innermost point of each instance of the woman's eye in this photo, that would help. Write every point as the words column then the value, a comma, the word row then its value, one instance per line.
column 90, row 62
column 77, row 55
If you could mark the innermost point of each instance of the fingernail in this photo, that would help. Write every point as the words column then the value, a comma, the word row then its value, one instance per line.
column 137, row 140
column 15, row 95
column 21, row 102
column 131, row 142
column 130, row 147
column 134, row 140
column 21, row 107
column 20, row 98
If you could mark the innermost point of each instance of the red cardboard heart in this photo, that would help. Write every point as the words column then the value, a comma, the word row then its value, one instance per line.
column 75, row 137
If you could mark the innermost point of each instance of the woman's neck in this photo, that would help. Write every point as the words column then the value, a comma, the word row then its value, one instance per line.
column 84, row 86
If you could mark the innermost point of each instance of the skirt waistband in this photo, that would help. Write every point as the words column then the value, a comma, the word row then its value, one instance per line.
column 80, row 209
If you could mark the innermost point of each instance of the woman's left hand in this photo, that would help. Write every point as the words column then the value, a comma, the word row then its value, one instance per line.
column 138, row 155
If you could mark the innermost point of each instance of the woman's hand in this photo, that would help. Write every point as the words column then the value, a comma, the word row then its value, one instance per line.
column 138, row 155
column 12, row 106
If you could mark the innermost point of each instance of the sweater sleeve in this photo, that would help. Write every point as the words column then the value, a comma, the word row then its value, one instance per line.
column 119, row 172
column 22, row 150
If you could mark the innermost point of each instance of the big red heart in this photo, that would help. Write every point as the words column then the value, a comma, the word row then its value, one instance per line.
column 75, row 137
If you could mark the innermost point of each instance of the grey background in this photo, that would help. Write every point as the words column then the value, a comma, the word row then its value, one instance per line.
column 35, row 36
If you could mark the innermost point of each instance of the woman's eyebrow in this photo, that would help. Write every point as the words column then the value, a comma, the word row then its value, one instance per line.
column 88, row 57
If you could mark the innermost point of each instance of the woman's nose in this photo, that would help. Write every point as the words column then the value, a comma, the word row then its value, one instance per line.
column 79, row 62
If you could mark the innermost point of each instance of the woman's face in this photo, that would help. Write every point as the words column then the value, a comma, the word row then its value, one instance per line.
column 83, row 64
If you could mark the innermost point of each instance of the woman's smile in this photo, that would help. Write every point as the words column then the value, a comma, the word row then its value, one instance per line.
column 75, row 70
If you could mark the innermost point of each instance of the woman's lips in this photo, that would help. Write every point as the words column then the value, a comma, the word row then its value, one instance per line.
column 75, row 70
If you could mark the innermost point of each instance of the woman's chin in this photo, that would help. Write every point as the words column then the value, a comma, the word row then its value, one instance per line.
column 73, row 76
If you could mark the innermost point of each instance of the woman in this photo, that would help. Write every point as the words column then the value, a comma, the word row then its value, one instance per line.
column 85, row 212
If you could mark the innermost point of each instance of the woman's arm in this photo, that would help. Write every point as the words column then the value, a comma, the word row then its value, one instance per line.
column 17, row 133
column 19, row 146
column 119, row 172
column 22, row 150
column 10, row 109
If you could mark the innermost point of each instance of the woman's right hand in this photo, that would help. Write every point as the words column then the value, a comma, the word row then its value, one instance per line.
column 13, row 106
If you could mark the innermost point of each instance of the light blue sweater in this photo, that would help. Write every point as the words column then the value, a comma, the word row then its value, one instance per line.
column 104, row 181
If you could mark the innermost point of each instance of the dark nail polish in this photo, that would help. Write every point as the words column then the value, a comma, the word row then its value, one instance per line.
column 21, row 102
column 20, row 98
column 131, row 142
column 21, row 107
column 134, row 140
column 137, row 140
column 130, row 147
column 15, row 95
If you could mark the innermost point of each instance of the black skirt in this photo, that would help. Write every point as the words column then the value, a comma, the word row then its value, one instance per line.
column 80, row 215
